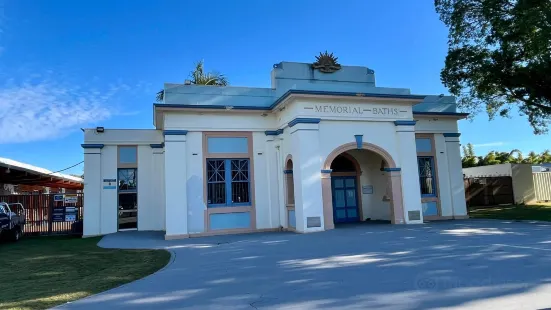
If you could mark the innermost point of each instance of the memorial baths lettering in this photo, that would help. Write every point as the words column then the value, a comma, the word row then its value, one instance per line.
column 342, row 109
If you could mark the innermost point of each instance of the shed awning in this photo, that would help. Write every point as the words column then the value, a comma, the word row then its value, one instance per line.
column 17, row 173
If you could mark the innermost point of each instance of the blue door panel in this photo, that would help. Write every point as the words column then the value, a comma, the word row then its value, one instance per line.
column 345, row 199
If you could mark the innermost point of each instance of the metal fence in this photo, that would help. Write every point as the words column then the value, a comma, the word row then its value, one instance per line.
column 489, row 191
column 40, row 211
column 542, row 185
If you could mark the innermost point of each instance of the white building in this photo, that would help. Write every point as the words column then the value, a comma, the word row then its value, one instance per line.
column 322, row 146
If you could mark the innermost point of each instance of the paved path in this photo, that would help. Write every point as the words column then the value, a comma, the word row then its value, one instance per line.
column 472, row 264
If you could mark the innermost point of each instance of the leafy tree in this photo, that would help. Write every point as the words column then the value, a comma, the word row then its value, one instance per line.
column 199, row 77
column 545, row 157
column 469, row 158
column 519, row 157
column 499, row 56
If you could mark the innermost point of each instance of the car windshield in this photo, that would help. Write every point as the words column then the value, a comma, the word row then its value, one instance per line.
column 3, row 209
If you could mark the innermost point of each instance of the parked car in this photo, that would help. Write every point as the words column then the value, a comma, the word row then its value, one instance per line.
column 12, row 221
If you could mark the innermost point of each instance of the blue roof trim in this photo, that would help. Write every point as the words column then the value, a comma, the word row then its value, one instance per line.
column 304, row 121
column 442, row 113
column 326, row 170
column 157, row 146
column 405, row 123
column 273, row 132
column 175, row 132
column 392, row 169
column 284, row 96
column 452, row 134
column 345, row 94
column 92, row 146
column 206, row 106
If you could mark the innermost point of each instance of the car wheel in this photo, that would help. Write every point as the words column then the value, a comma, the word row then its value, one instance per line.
column 16, row 235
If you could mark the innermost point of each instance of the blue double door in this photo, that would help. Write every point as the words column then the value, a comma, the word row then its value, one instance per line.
column 345, row 199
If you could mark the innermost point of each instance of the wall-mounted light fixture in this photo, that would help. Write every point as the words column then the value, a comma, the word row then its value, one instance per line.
column 100, row 129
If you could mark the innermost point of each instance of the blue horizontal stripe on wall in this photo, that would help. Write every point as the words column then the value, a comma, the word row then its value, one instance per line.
column 157, row 146
column 230, row 220
column 304, row 121
column 287, row 171
column 92, row 146
column 273, row 132
column 292, row 219
column 205, row 106
column 326, row 171
column 452, row 134
column 442, row 113
column 175, row 132
column 392, row 169
column 405, row 123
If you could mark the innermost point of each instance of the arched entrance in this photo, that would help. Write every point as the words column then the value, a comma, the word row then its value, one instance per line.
column 389, row 185
column 345, row 181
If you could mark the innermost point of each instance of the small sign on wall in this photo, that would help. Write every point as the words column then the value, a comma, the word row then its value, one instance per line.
column 367, row 189
column 109, row 183
column 58, row 197
column 71, row 198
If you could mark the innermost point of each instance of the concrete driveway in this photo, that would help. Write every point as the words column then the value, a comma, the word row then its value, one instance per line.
column 474, row 264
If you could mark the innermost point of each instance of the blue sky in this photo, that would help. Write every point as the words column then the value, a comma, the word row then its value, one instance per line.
column 71, row 64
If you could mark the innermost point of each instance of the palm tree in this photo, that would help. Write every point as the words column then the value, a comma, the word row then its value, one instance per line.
column 519, row 157
column 533, row 158
column 199, row 77
column 545, row 157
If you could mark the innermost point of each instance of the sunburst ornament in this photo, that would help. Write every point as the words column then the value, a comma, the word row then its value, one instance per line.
column 326, row 63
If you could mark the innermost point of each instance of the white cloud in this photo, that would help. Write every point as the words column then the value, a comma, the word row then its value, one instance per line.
column 46, row 109
column 490, row 144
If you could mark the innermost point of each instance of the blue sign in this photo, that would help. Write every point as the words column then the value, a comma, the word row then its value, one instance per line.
column 58, row 197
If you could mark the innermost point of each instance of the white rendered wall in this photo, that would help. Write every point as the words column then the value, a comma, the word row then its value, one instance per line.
column 457, row 185
column 109, row 199
column 411, row 190
column 123, row 136
column 175, row 185
column 336, row 133
column 274, row 174
column 195, row 183
column 92, row 192
column 285, row 149
column 324, row 108
column 261, row 181
column 373, row 206
column 150, row 199
column 307, row 165
column 158, row 186
column 444, row 188
column 432, row 124
column 217, row 121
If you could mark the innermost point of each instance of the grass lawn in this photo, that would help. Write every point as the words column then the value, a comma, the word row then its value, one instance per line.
column 540, row 212
column 42, row 272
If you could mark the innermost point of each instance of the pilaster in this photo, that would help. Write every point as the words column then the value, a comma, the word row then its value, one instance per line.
column 455, row 172
column 176, row 219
